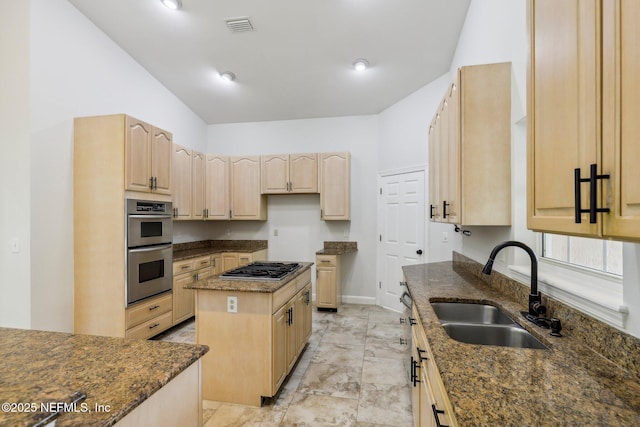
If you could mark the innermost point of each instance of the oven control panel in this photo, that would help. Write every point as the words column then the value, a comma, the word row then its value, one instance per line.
column 147, row 207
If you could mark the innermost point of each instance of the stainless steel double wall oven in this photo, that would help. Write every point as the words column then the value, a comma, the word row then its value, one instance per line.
column 149, row 249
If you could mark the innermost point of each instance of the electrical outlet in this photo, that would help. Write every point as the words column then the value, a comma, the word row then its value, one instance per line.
column 275, row 232
column 232, row 304
column 346, row 234
column 445, row 237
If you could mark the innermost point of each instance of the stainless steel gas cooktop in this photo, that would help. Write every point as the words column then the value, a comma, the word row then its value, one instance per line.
column 262, row 271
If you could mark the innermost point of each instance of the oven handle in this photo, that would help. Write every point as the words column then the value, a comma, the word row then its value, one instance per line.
column 163, row 216
column 150, row 248
column 406, row 303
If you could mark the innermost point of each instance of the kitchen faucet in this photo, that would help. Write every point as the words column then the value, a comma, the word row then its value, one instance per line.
column 535, row 299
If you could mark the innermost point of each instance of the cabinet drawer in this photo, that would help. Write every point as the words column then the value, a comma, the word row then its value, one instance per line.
column 244, row 259
column 204, row 273
column 147, row 310
column 326, row 260
column 182, row 266
column 283, row 295
column 202, row 262
column 303, row 280
column 151, row 327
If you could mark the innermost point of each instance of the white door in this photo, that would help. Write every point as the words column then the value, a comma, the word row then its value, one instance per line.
column 401, row 232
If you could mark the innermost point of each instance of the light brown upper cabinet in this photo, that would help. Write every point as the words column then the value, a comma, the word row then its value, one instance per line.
column 201, row 185
column 289, row 173
column 583, row 149
column 470, row 149
column 247, row 202
column 181, row 182
column 197, row 185
column 216, row 187
column 335, row 186
column 148, row 157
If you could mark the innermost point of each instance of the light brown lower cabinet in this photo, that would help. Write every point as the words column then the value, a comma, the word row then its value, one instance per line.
column 231, row 260
column 184, row 273
column 150, row 317
column 328, row 282
column 253, row 349
column 431, row 405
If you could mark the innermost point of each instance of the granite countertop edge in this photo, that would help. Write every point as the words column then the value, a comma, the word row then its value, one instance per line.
column 121, row 373
column 568, row 384
column 218, row 283
column 338, row 248
column 184, row 254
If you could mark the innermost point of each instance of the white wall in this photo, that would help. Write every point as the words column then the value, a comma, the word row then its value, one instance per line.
column 297, row 217
column 76, row 70
column 404, row 129
column 15, row 292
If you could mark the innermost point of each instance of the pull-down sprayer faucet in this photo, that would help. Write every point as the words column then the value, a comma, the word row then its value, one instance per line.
column 535, row 299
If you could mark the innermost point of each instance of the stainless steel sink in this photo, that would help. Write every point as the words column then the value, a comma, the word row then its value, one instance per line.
column 483, row 324
column 501, row 335
column 459, row 312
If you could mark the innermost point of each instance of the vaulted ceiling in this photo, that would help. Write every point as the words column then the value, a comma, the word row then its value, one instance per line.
column 298, row 60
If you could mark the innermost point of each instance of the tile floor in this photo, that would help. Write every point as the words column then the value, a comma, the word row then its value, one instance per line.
column 352, row 373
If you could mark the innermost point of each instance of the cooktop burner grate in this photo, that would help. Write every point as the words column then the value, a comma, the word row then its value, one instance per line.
column 261, row 271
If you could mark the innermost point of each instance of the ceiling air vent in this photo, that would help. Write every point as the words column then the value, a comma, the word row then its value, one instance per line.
column 239, row 25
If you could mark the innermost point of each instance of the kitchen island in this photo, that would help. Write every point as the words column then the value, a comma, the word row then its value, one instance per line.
column 125, row 381
column 256, row 330
column 589, row 376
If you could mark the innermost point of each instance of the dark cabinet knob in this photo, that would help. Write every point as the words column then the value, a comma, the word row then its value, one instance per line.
column 419, row 251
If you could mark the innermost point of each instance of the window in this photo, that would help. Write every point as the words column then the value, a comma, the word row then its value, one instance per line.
column 583, row 273
column 595, row 254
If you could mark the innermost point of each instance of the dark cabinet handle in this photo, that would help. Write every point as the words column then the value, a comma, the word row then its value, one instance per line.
column 444, row 209
column 151, row 182
column 412, row 321
column 420, row 351
column 593, row 193
column 431, row 214
column 436, row 412
column 415, row 367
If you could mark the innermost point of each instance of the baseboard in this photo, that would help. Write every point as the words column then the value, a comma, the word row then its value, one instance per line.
column 351, row 299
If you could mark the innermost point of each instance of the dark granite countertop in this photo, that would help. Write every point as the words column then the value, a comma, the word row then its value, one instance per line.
column 41, row 367
column 218, row 283
column 338, row 248
column 182, row 251
column 569, row 384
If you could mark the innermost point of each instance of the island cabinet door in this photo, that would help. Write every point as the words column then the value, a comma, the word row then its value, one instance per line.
column 292, row 345
column 279, row 351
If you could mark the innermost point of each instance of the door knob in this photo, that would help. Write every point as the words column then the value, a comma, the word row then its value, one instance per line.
column 419, row 251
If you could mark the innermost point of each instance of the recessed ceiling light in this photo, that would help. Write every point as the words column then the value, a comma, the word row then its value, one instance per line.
column 172, row 4
column 227, row 76
column 360, row 64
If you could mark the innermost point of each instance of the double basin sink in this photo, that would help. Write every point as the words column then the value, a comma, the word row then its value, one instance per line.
column 483, row 324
